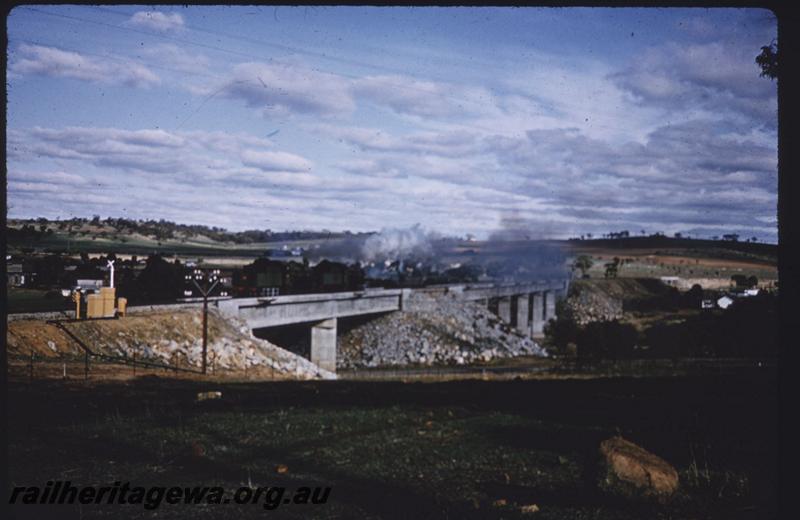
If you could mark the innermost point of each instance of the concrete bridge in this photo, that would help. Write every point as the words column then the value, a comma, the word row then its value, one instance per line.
column 526, row 306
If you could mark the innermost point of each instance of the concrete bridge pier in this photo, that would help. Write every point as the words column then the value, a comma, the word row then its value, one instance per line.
column 504, row 308
column 323, row 344
column 549, row 305
column 523, row 313
column 537, row 315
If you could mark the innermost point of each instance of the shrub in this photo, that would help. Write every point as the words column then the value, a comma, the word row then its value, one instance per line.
column 562, row 331
column 607, row 340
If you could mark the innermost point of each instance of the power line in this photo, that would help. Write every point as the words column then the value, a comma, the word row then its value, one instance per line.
column 387, row 81
column 289, row 48
column 280, row 46
column 126, row 60
column 207, row 99
column 147, row 33
column 130, row 60
column 299, row 50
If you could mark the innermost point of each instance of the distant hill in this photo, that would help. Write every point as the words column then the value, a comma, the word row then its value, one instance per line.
column 724, row 249
column 122, row 235
column 142, row 237
column 162, row 230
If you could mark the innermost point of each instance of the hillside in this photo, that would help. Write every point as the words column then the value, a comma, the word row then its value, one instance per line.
column 662, row 245
column 127, row 236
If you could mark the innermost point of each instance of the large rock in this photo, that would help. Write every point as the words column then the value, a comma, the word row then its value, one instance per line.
column 631, row 471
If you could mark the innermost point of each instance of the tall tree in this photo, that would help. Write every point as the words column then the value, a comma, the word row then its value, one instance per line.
column 768, row 61
column 584, row 263
column 161, row 280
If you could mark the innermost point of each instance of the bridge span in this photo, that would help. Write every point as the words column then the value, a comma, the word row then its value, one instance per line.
column 526, row 306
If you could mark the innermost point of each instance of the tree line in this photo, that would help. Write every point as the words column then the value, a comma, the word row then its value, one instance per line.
column 163, row 230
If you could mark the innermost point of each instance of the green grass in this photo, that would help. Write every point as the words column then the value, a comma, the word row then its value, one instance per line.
column 394, row 450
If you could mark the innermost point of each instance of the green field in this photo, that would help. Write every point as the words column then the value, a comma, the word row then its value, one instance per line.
column 460, row 449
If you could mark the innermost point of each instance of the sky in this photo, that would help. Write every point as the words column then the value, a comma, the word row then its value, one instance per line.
column 558, row 121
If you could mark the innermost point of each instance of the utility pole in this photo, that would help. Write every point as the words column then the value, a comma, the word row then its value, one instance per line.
column 206, row 278
column 76, row 297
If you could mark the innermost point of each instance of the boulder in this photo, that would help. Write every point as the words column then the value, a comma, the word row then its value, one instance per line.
column 631, row 471
column 205, row 396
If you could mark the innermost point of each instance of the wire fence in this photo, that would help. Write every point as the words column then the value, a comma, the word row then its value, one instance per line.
column 566, row 367
column 90, row 354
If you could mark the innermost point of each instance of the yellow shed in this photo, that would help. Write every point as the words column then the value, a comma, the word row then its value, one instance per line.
column 94, row 306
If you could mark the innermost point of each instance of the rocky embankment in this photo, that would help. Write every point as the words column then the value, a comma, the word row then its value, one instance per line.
column 607, row 300
column 587, row 303
column 443, row 331
column 167, row 337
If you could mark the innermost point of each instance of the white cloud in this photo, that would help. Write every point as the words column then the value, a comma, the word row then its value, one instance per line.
column 49, row 61
column 289, row 88
column 715, row 77
column 446, row 143
column 157, row 21
column 292, row 87
column 275, row 161
column 259, row 177
column 55, row 177
column 680, row 134
column 171, row 56
column 407, row 95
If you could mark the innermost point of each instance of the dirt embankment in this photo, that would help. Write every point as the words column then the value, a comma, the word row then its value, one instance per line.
column 172, row 338
column 447, row 332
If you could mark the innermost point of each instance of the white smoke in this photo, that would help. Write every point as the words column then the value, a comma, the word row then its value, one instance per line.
column 397, row 244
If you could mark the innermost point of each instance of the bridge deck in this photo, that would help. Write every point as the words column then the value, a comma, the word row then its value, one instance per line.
column 285, row 310
column 302, row 308
column 322, row 310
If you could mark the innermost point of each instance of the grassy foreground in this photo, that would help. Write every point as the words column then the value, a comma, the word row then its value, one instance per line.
column 458, row 449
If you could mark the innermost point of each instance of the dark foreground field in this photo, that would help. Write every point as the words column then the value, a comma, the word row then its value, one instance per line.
column 459, row 449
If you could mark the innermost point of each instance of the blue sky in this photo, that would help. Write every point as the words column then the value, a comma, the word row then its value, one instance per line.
column 564, row 121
